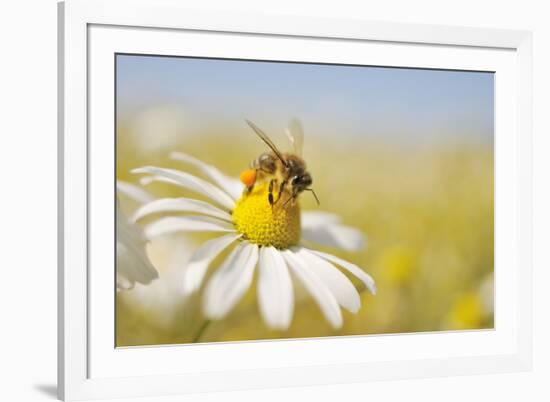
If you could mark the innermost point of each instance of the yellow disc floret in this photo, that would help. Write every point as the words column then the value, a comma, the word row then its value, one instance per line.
column 266, row 225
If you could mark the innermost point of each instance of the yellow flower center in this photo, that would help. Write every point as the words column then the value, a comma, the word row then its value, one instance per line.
column 260, row 223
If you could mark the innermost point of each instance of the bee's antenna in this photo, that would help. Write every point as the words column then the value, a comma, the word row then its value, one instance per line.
column 315, row 195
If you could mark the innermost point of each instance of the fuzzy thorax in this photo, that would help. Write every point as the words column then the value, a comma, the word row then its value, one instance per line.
column 260, row 223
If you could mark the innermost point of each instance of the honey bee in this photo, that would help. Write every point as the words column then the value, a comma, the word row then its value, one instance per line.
column 286, row 172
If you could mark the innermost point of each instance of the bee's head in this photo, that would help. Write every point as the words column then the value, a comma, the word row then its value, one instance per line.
column 301, row 181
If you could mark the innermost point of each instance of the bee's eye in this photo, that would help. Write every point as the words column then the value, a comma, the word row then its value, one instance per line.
column 306, row 179
column 295, row 180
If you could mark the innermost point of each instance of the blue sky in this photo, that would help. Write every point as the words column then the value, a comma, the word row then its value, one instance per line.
column 357, row 100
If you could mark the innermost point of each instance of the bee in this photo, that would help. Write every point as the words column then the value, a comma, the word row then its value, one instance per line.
column 286, row 172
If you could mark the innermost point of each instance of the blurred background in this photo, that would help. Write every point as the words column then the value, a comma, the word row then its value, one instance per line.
column 405, row 155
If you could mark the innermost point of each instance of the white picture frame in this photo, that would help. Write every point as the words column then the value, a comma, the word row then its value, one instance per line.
column 90, row 367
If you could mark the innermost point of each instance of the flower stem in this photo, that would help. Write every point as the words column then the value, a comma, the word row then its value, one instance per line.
column 201, row 331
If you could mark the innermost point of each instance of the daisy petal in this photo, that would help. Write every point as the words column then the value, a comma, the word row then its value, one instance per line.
column 180, row 205
column 316, row 287
column 122, row 283
column 353, row 269
column 325, row 229
column 318, row 218
column 230, row 282
column 189, row 182
column 343, row 237
column 173, row 224
column 133, row 265
column 198, row 264
column 134, row 192
column 231, row 186
column 339, row 285
column 275, row 293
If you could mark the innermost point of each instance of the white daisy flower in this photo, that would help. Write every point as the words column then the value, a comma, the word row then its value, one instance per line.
column 161, row 297
column 133, row 264
column 269, row 240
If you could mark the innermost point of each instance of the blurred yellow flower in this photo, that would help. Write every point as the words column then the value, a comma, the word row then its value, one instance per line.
column 466, row 312
column 397, row 264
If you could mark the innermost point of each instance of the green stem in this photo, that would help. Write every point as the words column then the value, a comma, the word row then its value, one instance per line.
column 201, row 331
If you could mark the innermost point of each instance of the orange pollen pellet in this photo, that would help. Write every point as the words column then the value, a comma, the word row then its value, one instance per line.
column 248, row 177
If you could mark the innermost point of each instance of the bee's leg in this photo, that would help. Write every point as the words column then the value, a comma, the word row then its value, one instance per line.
column 251, row 187
column 291, row 197
column 281, row 190
column 270, row 195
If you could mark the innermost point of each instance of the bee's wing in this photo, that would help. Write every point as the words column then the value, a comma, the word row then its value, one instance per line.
column 295, row 134
column 268, row 141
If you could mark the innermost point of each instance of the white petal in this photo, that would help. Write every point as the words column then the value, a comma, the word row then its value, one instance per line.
column 353, row 269
column 180, row 205
column 189, row 182
column 340, row 286
column 275, row 293
column 232, row 186
column 173, row 224
column 133, row 264
column 324, row 228
column 230, row 282
column 197, row 266
column 316, row 287
column 318, row 218
column 340, row 236
column 122, row 283
column 134, row 192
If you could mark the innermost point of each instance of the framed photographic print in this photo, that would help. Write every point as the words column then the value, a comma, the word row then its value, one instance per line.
column 258, row 201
